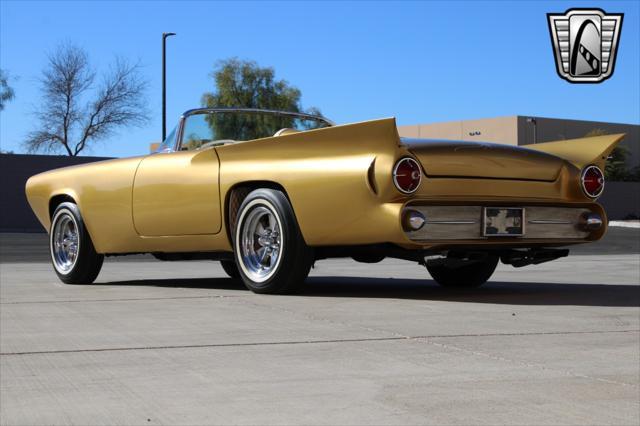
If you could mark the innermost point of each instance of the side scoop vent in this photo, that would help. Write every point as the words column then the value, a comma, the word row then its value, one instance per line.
column 371, row 177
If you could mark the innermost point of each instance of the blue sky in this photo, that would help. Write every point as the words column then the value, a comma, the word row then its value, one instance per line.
column 418, row 61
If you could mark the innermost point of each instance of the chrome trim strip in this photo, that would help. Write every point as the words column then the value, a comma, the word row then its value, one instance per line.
column 178, row 141
column 451, row 222
column 550, row 222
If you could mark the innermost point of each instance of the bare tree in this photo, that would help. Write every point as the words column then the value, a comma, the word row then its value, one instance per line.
column 6, row 92
column 76, row 110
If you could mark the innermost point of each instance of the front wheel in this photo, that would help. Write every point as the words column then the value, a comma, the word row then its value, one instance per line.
column 269, row 250
column 464, row 276
column 72, row 253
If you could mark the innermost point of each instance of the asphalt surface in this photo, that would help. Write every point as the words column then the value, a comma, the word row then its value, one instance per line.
column 179, row 343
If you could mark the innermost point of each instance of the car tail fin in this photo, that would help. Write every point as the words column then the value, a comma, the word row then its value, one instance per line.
column 582, row 152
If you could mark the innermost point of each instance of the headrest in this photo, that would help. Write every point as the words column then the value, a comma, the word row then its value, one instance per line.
column 286, row 131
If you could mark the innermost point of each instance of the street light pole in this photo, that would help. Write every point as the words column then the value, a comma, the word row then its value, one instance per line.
column 164, row 84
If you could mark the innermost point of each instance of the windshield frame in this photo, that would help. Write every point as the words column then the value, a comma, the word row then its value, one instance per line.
column 179, row 135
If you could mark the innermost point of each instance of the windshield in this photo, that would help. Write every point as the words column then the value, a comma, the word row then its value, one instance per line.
column 169, row 143
column 205, row 128
column 233, row 126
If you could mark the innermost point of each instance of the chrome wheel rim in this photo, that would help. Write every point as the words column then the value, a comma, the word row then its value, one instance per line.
column 259, row 241
column 65, row 242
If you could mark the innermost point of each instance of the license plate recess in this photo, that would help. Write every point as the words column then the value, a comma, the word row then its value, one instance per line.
column 503, row 222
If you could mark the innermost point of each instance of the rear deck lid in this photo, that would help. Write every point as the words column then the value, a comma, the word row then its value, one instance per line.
column 483, row 160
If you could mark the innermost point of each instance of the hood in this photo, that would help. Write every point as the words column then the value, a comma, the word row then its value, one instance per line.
column 483, row 160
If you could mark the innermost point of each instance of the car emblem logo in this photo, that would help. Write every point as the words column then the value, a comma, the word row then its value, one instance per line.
column 585, row 42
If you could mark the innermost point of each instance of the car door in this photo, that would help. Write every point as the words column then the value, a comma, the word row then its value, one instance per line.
column 177, row 193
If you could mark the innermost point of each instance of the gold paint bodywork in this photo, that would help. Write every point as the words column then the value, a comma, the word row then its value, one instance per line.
column 338, row 179
column 162, row 206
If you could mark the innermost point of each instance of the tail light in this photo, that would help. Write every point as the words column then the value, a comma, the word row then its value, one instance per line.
column 592, row 181
column 407, row 175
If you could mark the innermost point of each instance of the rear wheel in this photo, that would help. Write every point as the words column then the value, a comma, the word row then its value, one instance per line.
column 72, row 253
column 230, row 268
column 269, row 250
column 472, row 275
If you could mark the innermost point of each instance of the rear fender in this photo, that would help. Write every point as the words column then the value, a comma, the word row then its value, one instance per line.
column 338, row 179
column 582, row 152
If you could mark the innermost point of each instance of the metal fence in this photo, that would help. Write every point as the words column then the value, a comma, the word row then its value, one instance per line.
column 621, row 199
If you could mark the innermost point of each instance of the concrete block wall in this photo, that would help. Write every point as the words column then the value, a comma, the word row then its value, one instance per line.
column 15, row 169
column 621, row 200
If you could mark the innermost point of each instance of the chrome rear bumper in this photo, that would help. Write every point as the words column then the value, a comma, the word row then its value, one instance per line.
column 464, row 222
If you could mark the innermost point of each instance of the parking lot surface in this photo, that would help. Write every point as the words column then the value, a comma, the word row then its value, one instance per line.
column 179, row 343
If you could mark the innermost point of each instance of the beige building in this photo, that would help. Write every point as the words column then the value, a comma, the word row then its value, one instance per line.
column 525, row 130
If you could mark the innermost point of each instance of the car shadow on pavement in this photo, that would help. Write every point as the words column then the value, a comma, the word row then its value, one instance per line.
column 204, row 283
column 495, row 292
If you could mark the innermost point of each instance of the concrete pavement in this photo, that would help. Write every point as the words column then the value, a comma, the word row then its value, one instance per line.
column 178, row 343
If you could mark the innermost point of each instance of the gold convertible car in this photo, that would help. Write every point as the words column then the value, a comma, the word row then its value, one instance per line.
column 267, row 193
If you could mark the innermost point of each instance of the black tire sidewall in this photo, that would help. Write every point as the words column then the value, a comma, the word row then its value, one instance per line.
column 88, row 263
column 230, row 268
column 296, row 257
column 470, row 276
